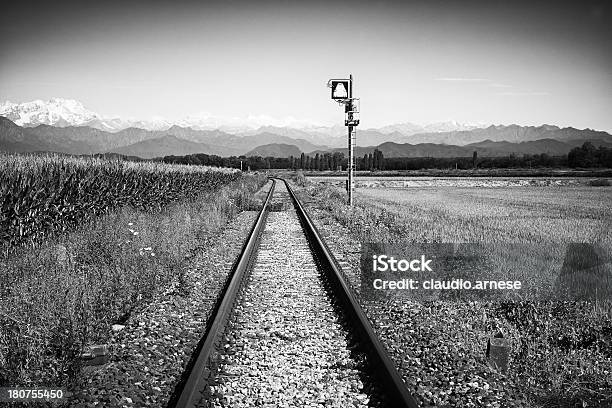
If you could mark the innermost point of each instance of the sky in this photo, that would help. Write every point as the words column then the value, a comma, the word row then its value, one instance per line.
column 487, row 62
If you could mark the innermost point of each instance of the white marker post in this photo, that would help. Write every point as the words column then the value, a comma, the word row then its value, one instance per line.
column 342, row 92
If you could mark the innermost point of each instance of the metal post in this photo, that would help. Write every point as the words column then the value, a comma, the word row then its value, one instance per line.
column 342, row 92
column 350, row 165
column 350, row 145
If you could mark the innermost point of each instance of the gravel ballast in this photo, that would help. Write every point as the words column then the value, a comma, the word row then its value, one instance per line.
column 285, row 345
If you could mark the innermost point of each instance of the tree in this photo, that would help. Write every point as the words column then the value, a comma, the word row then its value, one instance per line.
column 474, row 159
column 378, row 160
column 605, row 156
column 583, row 156
column 302, row 161
column 338, row 158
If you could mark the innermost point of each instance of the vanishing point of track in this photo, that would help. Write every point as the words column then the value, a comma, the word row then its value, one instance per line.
column 302, row 313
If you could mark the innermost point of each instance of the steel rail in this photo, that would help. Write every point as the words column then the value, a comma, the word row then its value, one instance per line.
column 391, row 381
column 187, row 393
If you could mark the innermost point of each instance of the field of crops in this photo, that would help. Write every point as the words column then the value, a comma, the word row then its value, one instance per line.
column 88, row 241
column 41, row 195
column 561, row 350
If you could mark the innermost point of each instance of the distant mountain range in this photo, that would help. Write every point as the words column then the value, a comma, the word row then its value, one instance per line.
column 512, row 133
column 275, row 150
column 284, row 142
column 167, row 145
column 60, row 112
column 485, row 148
column 138, row 142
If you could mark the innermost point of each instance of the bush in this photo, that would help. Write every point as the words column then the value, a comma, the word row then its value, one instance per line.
column 300, row 179
column 599, row 183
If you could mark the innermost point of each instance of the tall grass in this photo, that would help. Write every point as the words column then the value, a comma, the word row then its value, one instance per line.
column 43, row 195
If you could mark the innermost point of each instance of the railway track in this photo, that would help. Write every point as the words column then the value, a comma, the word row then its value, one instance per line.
column 287, row 329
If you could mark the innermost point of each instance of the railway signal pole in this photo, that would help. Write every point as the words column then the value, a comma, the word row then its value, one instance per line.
column 342, row 92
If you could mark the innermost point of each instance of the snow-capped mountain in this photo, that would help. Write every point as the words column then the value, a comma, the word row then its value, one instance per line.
column 244, row 126
column 56, row 112
column 408, row 129
column 67, row 112
column 449, row 126
column 61, row 112
column 155, row 123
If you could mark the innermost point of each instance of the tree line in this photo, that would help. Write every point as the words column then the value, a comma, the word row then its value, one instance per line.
column 337, row 161
column 465, row 163
column 237, row 162
column 587, row 156
column 317, row 162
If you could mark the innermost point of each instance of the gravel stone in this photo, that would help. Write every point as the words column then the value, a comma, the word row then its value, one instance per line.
column 285, row 345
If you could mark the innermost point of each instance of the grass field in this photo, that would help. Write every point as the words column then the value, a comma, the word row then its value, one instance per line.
column 519, row 214
column 561, row 349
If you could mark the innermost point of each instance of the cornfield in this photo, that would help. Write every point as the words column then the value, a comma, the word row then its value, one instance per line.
column 44, row 195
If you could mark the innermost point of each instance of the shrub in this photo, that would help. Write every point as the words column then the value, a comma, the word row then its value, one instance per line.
column 599, row 183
